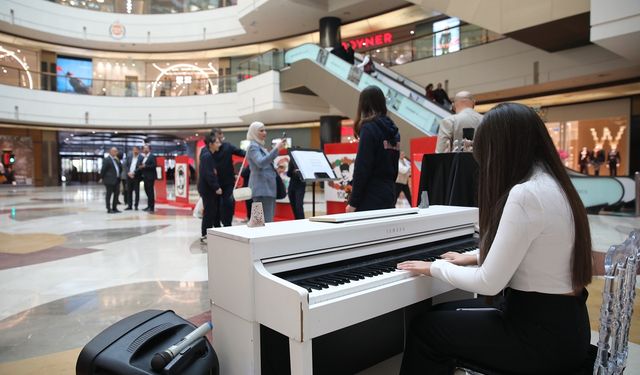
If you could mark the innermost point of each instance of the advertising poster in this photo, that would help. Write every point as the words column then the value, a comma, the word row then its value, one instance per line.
column 446, row 36
column 342, row 158
column 181, row 178
column 281, row 164
column 74, row 75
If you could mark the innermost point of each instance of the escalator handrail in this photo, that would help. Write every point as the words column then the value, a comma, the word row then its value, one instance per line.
column 436, row 114
column 416, row 88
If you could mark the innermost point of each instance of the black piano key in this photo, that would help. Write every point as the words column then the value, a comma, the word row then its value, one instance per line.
column 334, row 279
column 319, row 282
column 327, row 281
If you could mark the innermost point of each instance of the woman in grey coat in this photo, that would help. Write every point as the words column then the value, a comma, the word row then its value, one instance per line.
column 262, row 180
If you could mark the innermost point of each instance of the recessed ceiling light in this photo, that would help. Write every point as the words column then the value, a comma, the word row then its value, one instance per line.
column 412, row 32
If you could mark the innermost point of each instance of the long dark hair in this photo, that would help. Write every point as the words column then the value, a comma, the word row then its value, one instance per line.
column 372, row 103
column 508, row 142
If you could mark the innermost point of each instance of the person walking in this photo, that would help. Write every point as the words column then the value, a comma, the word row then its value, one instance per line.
column 376, row 165
column 262, row 180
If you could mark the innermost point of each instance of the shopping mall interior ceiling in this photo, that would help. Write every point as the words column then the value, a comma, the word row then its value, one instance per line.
column 269, row 20
column 392, row 19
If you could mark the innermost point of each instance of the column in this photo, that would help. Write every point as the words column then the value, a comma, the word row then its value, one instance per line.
column 329, row 31
column 330, row 129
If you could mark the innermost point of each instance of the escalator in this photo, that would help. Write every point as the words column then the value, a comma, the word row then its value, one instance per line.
column 602, row 192
column 313, row 70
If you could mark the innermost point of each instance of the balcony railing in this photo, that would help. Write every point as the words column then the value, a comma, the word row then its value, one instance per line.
column 427, row 46
column 179, row 86
column 147, row 6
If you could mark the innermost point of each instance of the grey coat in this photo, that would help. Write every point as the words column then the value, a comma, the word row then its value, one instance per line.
column 262, row 180
column 451, row 128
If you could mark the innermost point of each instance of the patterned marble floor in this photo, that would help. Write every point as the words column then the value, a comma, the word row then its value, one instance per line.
column 68, row 270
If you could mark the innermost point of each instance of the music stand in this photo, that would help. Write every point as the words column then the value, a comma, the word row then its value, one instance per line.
column 313, row 167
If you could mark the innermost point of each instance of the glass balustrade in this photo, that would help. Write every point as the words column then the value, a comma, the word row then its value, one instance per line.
column 430, row 45
column 181, row 85
column 147, row 6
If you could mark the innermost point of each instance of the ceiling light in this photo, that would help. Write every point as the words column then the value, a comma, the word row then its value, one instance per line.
column 18, row 51
column 133, row 64
column 378, row 51
column 412, row 32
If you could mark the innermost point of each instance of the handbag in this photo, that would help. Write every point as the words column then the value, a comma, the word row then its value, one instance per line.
column 281, row 191
column 243, row 193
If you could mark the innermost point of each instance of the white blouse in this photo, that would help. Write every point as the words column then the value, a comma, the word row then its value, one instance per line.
column 533, row 246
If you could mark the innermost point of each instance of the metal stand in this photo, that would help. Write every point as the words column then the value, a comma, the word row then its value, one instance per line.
column 313, row 198
column 637, row 178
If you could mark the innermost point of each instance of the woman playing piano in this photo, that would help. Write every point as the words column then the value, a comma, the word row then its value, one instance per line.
column 535, row 246
column 376, row 165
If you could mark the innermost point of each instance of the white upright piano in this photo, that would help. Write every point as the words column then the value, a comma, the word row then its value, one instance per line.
column 295, row 283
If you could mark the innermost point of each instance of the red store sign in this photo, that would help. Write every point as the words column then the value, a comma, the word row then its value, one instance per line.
column 369, row 41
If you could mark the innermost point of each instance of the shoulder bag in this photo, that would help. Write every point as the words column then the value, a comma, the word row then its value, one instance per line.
column 242, row 193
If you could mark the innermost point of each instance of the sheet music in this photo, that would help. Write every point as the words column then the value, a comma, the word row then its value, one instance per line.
column 311, row 162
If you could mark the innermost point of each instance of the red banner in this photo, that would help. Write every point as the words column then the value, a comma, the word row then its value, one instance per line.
column 160, row 184
column 419, row 147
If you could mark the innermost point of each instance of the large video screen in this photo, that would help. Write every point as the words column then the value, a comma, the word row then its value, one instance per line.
column 446, row 36
column 74, row 75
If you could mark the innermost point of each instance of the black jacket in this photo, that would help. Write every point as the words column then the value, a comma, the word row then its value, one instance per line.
column 108, row 172
column 376, row 165
column 149, row 168
column 295, row 178
column 208, row 174
column 224, row 163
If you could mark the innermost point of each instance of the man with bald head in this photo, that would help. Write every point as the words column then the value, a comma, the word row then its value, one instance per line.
column 451, row 128
column 110, row 175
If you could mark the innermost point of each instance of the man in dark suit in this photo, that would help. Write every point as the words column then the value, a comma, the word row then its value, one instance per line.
column 209, row 186
column 110, row 175
column 226, row 175
column 133, row 177
column 148, row 170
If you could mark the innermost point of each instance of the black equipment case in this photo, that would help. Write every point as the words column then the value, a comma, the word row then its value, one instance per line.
column 127, row 347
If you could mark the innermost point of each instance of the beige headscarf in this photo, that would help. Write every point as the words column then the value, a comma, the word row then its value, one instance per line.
column 252, row 133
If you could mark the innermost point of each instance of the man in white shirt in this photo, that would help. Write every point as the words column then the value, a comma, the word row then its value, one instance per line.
column 133, row 177
column 451, row 127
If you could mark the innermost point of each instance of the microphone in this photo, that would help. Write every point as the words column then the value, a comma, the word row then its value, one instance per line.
column 161, row 359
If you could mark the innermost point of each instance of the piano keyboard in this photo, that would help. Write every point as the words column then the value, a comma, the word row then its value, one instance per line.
column 342, row 278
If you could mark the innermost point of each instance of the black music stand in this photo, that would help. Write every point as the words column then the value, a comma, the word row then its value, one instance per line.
column 450, row 179
column 314, row 167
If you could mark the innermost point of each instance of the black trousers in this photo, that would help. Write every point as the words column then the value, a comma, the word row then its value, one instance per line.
column 112, row 195
column 151, row 195
column 405, row 189
column 584, row 168
column 227, row 206
column 613, row 169
column 532, row 333
column 211, row 214
column 133, row 186
column 296, row 200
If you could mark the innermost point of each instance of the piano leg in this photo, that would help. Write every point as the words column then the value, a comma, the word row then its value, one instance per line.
column 301, row 357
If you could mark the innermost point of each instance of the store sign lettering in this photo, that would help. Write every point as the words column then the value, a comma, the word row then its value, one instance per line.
column 369, row 41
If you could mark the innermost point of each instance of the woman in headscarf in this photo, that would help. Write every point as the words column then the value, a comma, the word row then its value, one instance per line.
column 263, row 176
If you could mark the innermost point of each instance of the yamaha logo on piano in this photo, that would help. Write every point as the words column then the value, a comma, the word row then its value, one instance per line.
column 395, row 230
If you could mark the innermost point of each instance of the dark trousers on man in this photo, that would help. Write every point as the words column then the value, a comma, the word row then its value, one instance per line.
column 133, row 186
column 211, row 214
column 404, row 188
column 613, row 169
column 296, row 200
column 124, row 189
column 112, row 196
column 532, row 333
column 227, row 206
column 148, row 189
